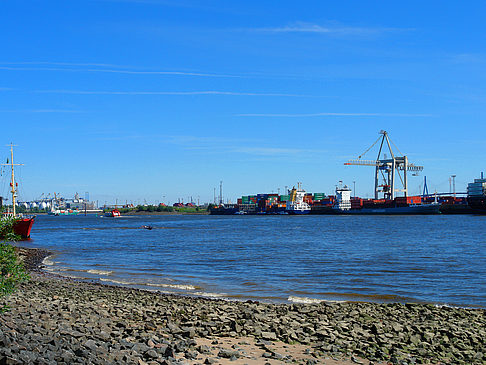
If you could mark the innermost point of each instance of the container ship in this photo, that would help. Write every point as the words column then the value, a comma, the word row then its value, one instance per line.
column 476, row 195
column 296, row 201
column 320, row 203
column 400, row 205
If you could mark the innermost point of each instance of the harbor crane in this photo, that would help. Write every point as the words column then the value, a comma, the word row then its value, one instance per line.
column 388, row 168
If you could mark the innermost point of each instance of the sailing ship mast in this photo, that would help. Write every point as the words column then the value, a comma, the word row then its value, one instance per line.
column 12, row 182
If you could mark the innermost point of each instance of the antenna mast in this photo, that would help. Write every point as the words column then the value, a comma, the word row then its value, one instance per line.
column 12, row 183
column 221, row 192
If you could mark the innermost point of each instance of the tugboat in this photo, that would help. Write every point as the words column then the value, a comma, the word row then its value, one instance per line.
column 296, row 204
column 22, row 225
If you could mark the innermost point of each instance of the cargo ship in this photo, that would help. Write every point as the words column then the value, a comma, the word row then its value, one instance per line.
column 22, row 225
column 296, row 203
column 222, row 209
column 476, row 195
column 412, row 205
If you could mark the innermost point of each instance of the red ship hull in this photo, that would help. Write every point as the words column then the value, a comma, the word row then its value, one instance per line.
column 23, row 226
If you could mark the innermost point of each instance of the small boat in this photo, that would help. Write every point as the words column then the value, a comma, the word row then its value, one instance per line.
column 147, row 227
column 22, row 225
column 113, row 213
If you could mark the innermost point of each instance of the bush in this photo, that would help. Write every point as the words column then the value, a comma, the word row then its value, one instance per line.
column 7, row 229
column 12, row 271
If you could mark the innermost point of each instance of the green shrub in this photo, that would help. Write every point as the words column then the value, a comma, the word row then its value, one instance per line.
column 7, row 229
column 12, row 271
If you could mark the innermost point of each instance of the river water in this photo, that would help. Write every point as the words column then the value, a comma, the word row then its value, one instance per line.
column 435, row 259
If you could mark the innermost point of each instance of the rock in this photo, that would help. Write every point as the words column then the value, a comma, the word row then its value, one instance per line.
column 189, row 332
column 174, row 329
column 191, row 354
column 228, row 353
column 269, row 336
column 169, row 352
column 91, row 344
column 151, row 354
column 203, row 349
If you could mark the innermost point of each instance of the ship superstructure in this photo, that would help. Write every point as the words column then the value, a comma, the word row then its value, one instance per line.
column 343, row 198
column 296, row 203
column 476, row 195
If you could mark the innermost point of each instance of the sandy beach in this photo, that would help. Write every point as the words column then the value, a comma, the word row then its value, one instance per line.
column 58, row 320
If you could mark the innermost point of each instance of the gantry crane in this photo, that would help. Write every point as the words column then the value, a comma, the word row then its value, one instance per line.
column 388, row 168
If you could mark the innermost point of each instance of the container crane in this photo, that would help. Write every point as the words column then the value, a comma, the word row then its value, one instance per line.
column 388, row 168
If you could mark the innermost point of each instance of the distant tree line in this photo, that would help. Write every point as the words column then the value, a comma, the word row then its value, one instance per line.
column 161, row 208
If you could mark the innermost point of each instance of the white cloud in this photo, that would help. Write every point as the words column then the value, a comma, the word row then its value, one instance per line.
column 332, row 115
column 273, row 151
column 302, row 27
column 468, row 58
column 182, row 93
column 101, row 68
column 40, row 111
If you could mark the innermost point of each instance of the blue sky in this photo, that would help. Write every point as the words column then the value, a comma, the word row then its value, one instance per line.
column 159, row 100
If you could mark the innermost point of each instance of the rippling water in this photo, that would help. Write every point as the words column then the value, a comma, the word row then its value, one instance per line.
column 437, row 259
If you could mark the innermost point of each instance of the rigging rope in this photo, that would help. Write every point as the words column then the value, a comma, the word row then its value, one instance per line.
column 394, row 145
column 364, row 153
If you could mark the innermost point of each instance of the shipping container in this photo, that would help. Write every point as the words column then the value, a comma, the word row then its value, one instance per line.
column 284, row 198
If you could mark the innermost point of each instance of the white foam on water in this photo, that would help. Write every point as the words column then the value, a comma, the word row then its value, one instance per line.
column 176, row 286
column 306, row 300
column 171, row 286
column 210, row 295
column 120, row 282
column 100, row 272
column 47, row 261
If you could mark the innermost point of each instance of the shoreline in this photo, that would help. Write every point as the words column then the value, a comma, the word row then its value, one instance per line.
column 61, row 319
column 41, row 266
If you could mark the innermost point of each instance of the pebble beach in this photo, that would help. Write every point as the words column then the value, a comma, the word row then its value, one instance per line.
column 54, row 320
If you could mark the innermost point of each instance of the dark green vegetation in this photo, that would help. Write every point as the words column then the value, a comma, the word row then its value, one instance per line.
column 160, row 209
column 12, row 271
column 64, row 321
column 22, row 209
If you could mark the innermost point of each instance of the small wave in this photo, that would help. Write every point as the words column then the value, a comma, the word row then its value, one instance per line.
column 47, row 262
column 171, row 286
column 120, row 282
column 100, row 272
column 210, row 295
column 304, row 300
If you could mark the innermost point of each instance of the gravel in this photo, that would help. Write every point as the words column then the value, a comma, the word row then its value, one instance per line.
column 53, row 320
